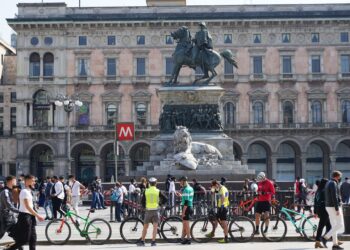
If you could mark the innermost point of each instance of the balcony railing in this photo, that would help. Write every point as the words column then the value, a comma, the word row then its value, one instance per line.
column 328, row 125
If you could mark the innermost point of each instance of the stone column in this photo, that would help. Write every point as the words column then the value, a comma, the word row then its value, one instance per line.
column 60, row 166
column 303, row 165
column 98, row 166
column 30, row 114
column 244, row 159
column 23, row 166
column 127, row 165
column 327, row 171
column 274, row 166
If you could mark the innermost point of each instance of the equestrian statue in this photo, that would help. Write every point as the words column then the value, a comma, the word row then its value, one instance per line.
column 197, row 52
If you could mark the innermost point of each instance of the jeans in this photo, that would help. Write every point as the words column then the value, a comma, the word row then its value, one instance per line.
column 48, row 204
column 95, row 203
column 102, row 200
column 118, row 210
column 337, row 223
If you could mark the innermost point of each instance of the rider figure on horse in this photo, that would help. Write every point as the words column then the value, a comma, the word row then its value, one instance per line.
column 202, row 41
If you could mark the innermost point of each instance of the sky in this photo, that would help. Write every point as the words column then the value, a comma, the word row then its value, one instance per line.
column 9, row 7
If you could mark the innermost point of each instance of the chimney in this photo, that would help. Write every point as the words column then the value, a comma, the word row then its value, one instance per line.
column 157, row 3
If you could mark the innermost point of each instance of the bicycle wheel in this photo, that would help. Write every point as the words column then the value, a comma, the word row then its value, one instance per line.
column 309, row 228
column 241, row 229
column 131, row 230
column 171, row 229
column 200, row 230
column 276, row 230
column 57, row 232
column 98, row 231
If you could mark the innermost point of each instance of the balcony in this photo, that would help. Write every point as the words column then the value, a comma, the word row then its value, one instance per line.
column 41, row 79
column 111, row 80
column 287, row 77
column 257, row 78
column 316, row 77
column 141, row 80
column 344, row 77
column 82, row 80
column 328, row 125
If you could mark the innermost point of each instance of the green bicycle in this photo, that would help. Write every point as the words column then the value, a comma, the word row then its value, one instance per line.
column 276, row 230
column 97, row 231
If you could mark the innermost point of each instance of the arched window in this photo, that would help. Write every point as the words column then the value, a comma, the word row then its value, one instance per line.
column 84, row 115
column 34, row 65
column 288, row 110
column 141, row 111
column 229, row 112
column 346, row 111
column 258, row 111
column 112, row 114
column 41, row 108
column 48, row 65
column 316, row 109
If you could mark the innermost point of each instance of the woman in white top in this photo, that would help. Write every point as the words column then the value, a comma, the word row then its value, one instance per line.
column 25, row 228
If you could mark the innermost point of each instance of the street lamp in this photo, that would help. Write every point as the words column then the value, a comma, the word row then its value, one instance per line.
column 68, row 104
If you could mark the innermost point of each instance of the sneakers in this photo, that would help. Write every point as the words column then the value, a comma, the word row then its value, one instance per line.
column 337, row 247
column 153, row 244
column 224, row 240
column 257, row 231
column 141, row 243
column 324, row 241
column 186, row 242
column 210, row 235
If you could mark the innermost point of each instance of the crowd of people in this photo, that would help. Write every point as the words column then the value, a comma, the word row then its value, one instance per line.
column 20, row 200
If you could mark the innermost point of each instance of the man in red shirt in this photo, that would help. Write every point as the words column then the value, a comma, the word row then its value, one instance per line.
column 265, row 192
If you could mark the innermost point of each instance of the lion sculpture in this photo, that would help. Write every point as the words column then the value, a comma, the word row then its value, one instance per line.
column 188, row 153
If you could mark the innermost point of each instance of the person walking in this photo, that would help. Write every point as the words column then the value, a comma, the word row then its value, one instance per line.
column 67, row 195
column 24, row 231
column 75, row 187
column 150, row 201
column 95, row 196
column 171, row 194
column 263, row 205
column 8, row 211
column 334, row 210
column 117, row 198
column 57, row 196
column 320, row 212
column 187, row 209
column 48, row 200
column 101, row 198
column 302, row 195
column 345, row 191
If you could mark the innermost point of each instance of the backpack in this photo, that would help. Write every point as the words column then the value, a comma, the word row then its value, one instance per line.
column 115, row 196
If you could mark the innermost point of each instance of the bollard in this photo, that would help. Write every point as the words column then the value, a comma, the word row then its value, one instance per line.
column 346, row 214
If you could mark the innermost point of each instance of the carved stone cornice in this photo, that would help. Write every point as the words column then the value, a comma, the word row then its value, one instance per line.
column 258, row 94
column 287, row 94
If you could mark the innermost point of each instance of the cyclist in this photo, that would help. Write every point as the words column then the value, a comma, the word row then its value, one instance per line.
column 187, row 209
column 263, row 205
column 151, row 200
column 221, row 216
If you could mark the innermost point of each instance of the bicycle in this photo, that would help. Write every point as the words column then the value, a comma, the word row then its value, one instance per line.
column 169, row 228
column 58, row 231
column 277, row 228
column 240, row 228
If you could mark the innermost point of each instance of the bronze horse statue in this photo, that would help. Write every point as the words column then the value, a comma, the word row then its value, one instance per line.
column 207, row 59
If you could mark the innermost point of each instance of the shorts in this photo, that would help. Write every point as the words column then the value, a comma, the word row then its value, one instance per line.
column 221, row 214
column 262, row 206
column 188, row 213
column 151, row 216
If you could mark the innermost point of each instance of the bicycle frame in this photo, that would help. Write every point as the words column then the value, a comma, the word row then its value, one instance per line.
column 288, row 212
column 70, row 215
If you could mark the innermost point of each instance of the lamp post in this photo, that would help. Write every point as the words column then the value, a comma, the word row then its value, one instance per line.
column 68, row 104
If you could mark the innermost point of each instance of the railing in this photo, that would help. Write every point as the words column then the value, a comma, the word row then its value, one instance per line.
column 328, row 125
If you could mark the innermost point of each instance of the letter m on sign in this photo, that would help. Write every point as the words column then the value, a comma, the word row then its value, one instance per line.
column 125, row 131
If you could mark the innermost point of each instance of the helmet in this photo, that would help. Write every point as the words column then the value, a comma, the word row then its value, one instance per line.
column 202, row 24
column 152, row 180
column 183, row 178
column 261, row 176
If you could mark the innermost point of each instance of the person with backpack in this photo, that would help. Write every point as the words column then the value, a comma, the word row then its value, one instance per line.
column 57, row 196
column 8, row 211
column 48, row 201
column 320, row 212
column 67, row 195
column 117, row 198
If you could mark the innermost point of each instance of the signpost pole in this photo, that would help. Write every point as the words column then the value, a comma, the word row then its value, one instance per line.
column 116, row 153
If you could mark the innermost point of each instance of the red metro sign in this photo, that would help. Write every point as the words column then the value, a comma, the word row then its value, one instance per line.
column 125, row 131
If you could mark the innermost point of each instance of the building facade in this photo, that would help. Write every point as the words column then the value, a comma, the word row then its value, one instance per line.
column 8, row 146
column 287, row 106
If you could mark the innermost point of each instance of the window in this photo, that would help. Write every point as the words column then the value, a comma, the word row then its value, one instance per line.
column 316, row 64
column 48, row 65
column 287, row 66
column 82, row 40
column 169, row 39
column 112, row 115
column 13, row 119
column 34, row 65
column 84, row 115
column 111, row 40
column 345, row 65
column 13, row 97
column 1, row 121
column 229, row 111
column 258, row 112
column 286, row 38
column 288, row 110
column 257, row 38
column 257, row 66
column 227, row 38
column 345, row 111
column 169, row 64
column 48, row 40
column 141, row 66
column 140, row 40
column 34, row 41
column 41, row 107
column 1, row 97
column 344, row 37
column 316, row 109
column 228, row 68
column 315, row 37
column 111, row 67
column 141, row 111
column 82, row 68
